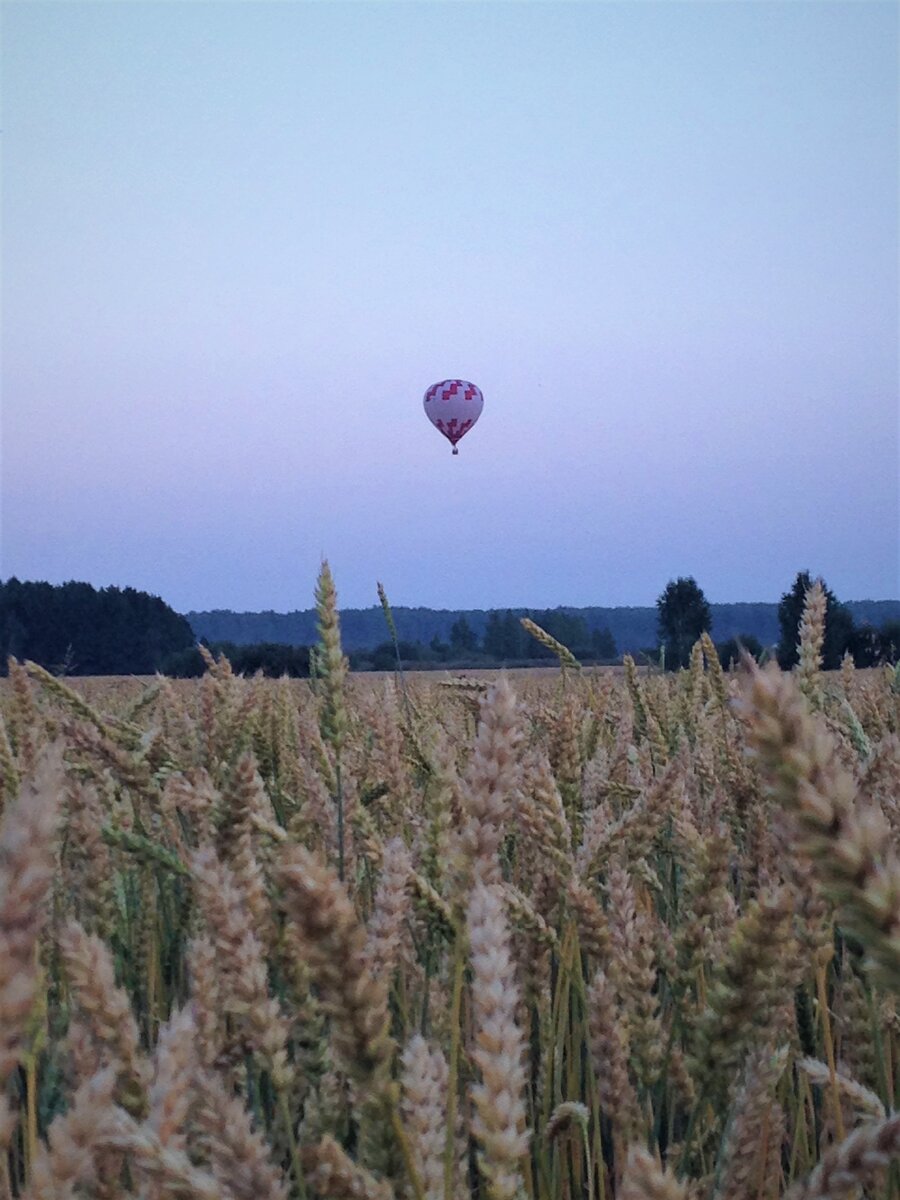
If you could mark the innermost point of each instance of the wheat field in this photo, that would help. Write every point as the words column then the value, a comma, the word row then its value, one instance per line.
column 557, row 935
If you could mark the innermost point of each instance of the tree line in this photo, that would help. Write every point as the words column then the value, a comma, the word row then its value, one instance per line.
column 504, row 641
column 77, row 629
column 684, row 614
column 633, row 628
column 272, row 659
column 74, row 628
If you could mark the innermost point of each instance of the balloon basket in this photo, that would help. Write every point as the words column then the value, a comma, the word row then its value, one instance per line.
column 456, row 449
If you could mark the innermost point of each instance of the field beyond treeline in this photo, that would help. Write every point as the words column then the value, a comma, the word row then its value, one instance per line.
column 611, row 936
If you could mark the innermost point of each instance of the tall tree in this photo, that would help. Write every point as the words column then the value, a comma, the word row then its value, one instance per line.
column 839, row 627
column 492, row 642
column 513, row 637
column 603, row 644
column 889, row 642
column 683, row 614
column 463, row 639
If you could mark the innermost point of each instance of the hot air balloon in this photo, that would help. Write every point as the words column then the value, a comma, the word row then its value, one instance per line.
column 453, row 406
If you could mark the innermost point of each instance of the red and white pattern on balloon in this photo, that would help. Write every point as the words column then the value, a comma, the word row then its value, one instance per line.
column 453, row 406
column 449, row 388
column 454, row 428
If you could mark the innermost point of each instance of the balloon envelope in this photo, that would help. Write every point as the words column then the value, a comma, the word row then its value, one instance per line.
column 453, row 406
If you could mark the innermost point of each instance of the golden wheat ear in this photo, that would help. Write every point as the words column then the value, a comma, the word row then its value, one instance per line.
column 27, row 865
column 499, row 1122
column 846, row 836
column 645, row 1179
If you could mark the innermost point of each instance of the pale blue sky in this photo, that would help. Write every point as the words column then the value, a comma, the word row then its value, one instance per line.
column 241, row 239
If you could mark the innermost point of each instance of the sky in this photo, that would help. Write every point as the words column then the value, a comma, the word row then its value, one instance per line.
column 240, row 240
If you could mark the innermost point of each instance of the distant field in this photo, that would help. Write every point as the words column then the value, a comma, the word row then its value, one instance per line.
column 98, row 685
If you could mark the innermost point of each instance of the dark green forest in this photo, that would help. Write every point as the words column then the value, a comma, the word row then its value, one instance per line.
column 77, row 629
column 632, row 629
column 362, row 628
